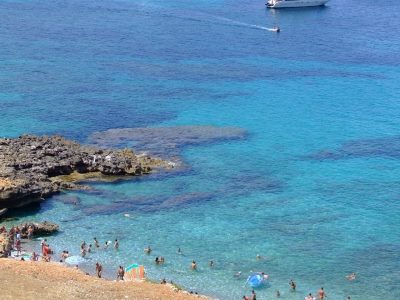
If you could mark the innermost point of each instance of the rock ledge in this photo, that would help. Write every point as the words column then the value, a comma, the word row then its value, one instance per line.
column 30, row 166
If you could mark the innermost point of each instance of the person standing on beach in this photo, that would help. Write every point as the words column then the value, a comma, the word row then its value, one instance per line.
column 34, row 256
column 18, row 246
column 321, row 294
column 18, row 233
column 120, row 273
column 99, row 269
column 30, row 232
column 63, row 256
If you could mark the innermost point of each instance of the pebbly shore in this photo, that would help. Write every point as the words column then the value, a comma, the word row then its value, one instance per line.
column 35, row 167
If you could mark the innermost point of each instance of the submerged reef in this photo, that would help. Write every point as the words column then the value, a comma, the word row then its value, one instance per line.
column 388, row 147
column 35, row 167
column 165, row 140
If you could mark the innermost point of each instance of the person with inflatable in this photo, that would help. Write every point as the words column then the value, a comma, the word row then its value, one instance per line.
column 257, row 279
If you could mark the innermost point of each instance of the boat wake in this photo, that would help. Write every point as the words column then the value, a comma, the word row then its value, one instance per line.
column 242, row 24
column 196, row 16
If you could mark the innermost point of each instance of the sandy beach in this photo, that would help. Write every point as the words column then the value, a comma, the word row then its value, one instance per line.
column 26, row 280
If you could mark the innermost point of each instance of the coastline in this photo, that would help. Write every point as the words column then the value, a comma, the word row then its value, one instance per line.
column 24, row 278
column 33, row 168
column 29, row 280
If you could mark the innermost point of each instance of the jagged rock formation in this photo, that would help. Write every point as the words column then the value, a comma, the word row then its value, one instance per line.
column 39, row 228
column 29, row 166
column 5, row 245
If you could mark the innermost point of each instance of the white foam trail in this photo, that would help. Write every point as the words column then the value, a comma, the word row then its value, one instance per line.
column 238, row 23
column 199, row 16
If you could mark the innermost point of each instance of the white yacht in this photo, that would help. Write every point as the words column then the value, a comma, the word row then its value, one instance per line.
column 294, row 3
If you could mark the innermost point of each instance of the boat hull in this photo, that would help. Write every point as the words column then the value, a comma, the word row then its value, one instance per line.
column 296, row 3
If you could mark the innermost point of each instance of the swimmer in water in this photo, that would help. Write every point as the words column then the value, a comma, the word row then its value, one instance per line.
column 292, row 285
column 96, row 243
column 179, row 251
column 351, row 276
column 264, row 276
column 147, row 250
column 258, row 256
column 116, row 244
column 278, row 294
column 106, row 245
column 211, row 264
column 238, row 274
column 193, row 265
column 253, row 295
column 309, row 297
column 321, row 294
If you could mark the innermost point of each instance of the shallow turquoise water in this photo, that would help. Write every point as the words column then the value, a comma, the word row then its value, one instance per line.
column 328, row 82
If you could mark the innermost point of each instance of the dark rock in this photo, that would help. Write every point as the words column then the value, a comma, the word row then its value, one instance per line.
column 39, row 228
column 3, row 211
column 29, row 166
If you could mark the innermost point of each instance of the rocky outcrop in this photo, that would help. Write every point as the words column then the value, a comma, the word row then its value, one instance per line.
column 29, row 165
column 5, row 245
column 39, row 229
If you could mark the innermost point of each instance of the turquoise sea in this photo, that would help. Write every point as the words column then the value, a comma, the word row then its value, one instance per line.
column 313, row 186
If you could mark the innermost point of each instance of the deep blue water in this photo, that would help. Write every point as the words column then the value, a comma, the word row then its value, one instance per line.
column 314, row 185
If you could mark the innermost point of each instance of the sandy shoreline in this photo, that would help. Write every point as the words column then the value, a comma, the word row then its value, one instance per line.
column 27, row 280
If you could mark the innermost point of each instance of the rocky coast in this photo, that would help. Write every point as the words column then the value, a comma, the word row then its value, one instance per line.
column 35, row 167
column 29, row 279
column 38, row 229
